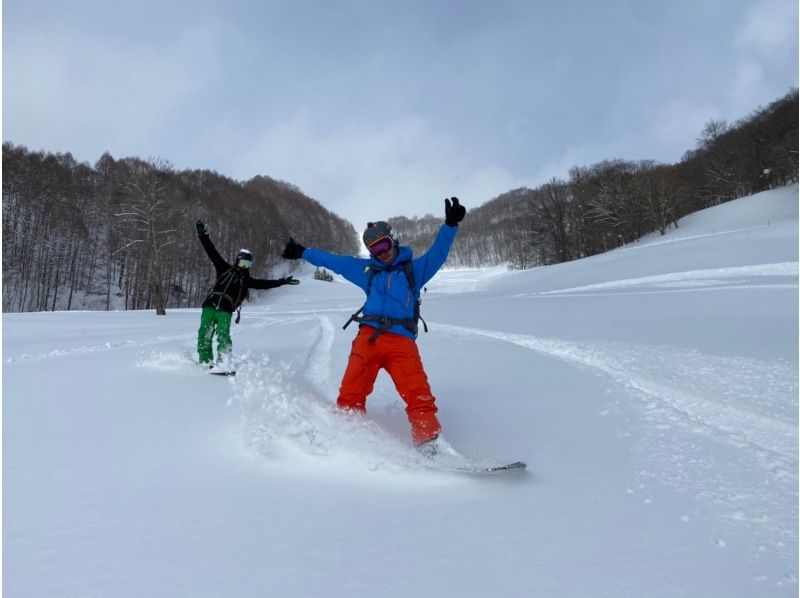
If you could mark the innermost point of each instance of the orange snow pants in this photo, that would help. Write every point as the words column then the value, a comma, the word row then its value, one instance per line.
column 399, row 356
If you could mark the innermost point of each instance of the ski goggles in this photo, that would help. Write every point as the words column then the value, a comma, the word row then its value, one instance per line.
column 243, row 263
column 380, row 246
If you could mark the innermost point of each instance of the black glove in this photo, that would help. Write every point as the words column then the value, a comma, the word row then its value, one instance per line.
column 453, row 214
column 289, row 280
column 293, row 250
column 202, row 228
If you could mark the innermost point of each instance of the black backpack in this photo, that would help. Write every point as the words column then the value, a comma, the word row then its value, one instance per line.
column 232, row 280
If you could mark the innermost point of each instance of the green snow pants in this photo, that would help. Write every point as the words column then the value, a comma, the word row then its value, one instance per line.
column 211, row 321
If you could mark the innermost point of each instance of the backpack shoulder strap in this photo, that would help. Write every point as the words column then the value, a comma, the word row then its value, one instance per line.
column 372, row 272
column 408, row 268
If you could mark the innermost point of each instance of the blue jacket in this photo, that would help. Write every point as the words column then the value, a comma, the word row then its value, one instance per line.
column 389, row 296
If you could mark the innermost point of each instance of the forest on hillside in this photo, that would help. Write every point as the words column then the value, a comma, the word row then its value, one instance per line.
column 612, row 203
column 120, row 234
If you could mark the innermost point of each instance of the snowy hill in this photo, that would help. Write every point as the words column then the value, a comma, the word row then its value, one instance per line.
column 651, row 390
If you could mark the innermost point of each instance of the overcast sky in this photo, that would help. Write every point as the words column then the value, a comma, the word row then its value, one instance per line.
column 380, row 108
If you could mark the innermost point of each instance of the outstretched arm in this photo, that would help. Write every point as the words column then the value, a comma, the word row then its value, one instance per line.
column 351, row 268
column 264, row 283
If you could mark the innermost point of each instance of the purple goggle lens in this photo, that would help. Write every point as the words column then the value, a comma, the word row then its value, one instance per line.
column 380, row 246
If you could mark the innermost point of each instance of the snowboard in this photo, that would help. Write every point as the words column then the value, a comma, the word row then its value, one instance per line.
column 230, row 373
column 447, row 458
column 517, row 466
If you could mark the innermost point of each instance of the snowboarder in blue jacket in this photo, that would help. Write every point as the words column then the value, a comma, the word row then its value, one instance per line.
column 391, row 278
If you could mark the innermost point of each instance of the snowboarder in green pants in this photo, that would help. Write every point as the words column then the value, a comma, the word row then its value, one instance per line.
column 226, row 296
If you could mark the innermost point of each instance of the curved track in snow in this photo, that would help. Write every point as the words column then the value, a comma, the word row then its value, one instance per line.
column 689, row 402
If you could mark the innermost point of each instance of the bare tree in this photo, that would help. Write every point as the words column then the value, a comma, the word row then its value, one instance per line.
column 555, row 222
column 660, row 193
column 147, row 208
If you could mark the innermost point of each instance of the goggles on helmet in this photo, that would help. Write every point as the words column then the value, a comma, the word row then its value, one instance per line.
column 380, row 246
column 244, row 259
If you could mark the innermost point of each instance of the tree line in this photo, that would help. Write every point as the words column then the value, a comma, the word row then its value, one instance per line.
column 121, row 234
column 615, row 202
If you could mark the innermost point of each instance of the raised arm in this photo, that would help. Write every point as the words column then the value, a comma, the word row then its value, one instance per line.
column 211, row 251
column 427, row 265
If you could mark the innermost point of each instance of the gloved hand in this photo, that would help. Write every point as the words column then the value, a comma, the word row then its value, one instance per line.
column 293, row 250
column 202, row 228
column 289, row 280
column 453, row 214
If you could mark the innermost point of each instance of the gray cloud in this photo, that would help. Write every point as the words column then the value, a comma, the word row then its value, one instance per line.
column 379, row 108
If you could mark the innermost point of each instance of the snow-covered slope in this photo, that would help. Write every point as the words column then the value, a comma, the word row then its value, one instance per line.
column 652, row 391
